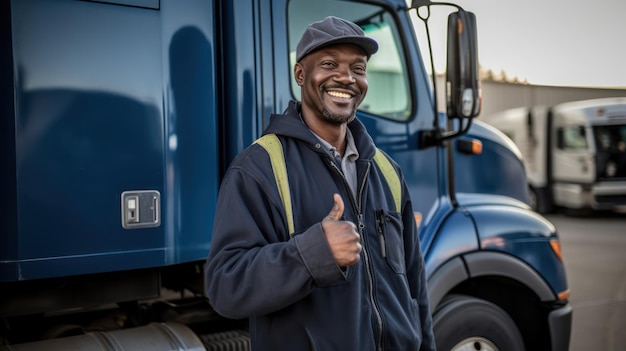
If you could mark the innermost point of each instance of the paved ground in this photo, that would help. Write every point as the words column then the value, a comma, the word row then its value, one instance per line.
column 594, row 249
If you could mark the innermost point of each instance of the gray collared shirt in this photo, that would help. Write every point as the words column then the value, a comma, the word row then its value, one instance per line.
column 348, row 162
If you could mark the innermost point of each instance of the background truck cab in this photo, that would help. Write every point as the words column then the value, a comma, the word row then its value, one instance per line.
column 119, row 118
column 574, row 152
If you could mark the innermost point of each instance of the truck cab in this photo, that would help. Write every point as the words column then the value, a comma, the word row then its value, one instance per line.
column 574, row 152
column 119, row 119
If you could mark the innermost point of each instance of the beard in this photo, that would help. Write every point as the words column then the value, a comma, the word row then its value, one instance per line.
column 338, row 119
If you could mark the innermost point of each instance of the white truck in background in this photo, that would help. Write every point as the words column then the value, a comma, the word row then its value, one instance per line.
column 574, row 152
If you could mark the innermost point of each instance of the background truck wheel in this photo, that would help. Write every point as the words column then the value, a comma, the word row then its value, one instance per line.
column 465, row 323
column 533, row 199
column 540, row 200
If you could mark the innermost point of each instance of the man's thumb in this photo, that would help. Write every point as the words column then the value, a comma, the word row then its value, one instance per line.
column 337, row 211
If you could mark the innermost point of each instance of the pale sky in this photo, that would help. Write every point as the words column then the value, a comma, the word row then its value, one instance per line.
column 548, row 42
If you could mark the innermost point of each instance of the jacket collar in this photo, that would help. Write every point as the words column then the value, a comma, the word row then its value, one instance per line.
column 289, row 124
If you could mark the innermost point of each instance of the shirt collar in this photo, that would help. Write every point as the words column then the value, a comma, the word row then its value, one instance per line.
column 351, row 151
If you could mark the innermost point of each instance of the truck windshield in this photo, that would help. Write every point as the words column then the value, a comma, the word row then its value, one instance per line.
column 611, row 147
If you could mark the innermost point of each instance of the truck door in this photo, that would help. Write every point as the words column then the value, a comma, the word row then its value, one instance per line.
column 572, row 161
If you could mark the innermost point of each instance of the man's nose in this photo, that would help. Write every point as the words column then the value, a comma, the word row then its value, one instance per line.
column 345, row 75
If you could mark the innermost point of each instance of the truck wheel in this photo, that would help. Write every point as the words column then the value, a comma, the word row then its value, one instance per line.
column 465, row 323
column 533, row 199
column 540, row 200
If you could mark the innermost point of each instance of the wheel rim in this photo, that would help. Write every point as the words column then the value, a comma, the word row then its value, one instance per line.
column 475, row 344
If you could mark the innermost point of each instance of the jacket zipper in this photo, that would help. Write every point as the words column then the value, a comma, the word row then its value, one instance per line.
column 368, row 268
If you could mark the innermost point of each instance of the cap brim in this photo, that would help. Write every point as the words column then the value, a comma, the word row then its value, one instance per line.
column 369, row 45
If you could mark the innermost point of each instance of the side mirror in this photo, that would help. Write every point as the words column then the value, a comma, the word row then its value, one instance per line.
column 464, row 96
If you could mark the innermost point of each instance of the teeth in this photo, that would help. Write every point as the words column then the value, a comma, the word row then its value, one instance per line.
column 339, row 94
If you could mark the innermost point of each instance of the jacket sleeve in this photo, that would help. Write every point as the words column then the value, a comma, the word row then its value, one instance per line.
column 416, row 272
column 253, row 268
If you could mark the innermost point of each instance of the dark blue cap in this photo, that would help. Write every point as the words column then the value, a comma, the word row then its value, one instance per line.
column 333, row 30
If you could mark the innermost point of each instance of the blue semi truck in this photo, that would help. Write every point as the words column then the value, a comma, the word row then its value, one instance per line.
column 119, row 118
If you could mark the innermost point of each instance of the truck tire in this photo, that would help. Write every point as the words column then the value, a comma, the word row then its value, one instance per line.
column 540, row 200
column 533, row 199
column 465, row 323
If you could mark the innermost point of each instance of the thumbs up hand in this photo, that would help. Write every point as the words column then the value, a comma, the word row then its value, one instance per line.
column 342, row 236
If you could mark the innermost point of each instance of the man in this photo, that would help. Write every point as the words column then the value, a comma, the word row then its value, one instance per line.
column 351, row 277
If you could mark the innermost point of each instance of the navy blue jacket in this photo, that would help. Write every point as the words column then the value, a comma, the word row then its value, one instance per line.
column 293, row 291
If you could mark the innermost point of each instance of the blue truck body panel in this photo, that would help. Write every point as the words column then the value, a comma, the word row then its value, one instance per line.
column 83, row 135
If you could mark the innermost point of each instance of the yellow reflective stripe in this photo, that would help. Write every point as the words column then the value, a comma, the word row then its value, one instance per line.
column 391, row 176
column 274, row 148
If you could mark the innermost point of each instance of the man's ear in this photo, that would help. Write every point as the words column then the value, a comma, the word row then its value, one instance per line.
column 298, row 73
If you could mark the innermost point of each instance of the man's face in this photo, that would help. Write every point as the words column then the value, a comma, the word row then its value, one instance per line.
column 333, row 82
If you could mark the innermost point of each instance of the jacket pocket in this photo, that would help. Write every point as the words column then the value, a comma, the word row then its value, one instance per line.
column 391, row 241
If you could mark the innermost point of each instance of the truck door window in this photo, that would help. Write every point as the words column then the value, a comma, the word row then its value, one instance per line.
column 572, row 138
column 388, row 94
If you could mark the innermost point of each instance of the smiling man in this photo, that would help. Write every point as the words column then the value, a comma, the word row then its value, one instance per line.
column 338, row 266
